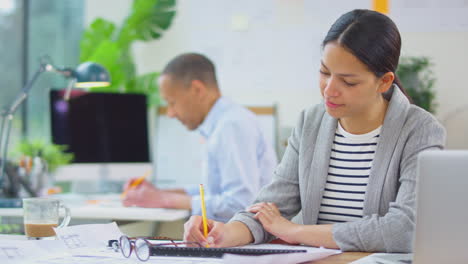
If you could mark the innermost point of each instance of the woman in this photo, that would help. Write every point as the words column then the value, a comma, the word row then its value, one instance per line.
column 350, row 164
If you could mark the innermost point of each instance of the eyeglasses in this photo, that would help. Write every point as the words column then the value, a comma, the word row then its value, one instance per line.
column 143, row 247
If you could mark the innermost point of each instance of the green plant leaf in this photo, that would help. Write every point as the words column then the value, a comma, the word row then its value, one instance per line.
column 418, row 79
column 109, row 46
column 100, row 30
column 148, row 20
column 146, row 84
column 108, row 54
column 54, row 155
column 128, row 66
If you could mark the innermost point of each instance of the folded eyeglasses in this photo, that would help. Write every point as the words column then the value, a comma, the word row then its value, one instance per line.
column 142, row 246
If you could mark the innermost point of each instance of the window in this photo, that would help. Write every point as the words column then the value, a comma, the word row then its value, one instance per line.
column 55, row 29
column 12, row 57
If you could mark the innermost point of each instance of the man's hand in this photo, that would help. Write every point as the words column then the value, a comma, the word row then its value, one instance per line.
column 144, row 195
column 275, row 224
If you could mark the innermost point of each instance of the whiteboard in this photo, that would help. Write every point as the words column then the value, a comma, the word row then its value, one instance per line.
column 178, row 153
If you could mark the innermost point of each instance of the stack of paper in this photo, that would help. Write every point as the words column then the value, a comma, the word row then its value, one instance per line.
column 312, row 254
column 87, row 244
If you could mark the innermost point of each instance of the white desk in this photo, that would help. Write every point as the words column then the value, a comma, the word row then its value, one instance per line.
column 114, row 213
column 108, row 207
column 148, row 221
column 13, row 237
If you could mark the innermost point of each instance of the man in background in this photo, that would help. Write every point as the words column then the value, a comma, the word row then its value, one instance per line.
column 239, row 159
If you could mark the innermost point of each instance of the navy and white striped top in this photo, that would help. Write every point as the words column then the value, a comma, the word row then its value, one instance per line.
column 348, row 174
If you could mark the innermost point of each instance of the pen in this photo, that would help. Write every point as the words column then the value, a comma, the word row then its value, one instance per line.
column 135, row 183
column 205, row 221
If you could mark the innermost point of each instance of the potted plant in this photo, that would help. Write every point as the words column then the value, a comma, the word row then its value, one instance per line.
column 110, row 45
column 418, row 79
column 54, row 155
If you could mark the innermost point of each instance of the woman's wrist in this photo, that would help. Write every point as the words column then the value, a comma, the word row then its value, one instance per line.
column 239, row 234
column 294, row 234
column 312, row 235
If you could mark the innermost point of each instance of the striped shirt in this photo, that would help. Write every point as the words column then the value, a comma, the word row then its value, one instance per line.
column 348, row 174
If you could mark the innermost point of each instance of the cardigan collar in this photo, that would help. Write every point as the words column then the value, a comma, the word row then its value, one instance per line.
column 318, row 171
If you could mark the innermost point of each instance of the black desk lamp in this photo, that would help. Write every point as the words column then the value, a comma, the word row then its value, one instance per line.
column 86, row 75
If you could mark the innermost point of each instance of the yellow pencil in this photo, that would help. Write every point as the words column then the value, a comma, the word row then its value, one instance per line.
column 205, row 221
column 135, row 183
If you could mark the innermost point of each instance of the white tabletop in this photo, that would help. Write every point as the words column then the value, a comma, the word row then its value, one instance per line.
column 12, row 237
column 108, row 207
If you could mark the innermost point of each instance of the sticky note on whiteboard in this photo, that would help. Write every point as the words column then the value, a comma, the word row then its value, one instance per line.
column 382, row 6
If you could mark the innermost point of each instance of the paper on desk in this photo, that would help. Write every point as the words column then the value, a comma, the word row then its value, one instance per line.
column 88, row 236
column 54, row 252
column 183, row 260
column 29, row 250
column 82, row 260
column 89, row 240
column 88, row 245
column 312, row 254
column 76, row 244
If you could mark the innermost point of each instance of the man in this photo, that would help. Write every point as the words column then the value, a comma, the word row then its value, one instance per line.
column 239, row 159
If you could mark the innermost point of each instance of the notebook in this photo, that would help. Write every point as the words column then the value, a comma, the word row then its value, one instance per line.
column 169, row 251
column 216, row 252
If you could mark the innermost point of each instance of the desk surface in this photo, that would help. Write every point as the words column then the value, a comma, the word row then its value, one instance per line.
column 342, row 258
column 109, row 207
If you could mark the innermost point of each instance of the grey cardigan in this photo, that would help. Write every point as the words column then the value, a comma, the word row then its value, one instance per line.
column 389, row 203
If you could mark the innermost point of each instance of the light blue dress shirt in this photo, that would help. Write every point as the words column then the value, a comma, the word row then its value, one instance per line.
column 239, row 161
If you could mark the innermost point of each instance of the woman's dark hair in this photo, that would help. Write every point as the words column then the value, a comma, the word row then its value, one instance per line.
column 370, row 36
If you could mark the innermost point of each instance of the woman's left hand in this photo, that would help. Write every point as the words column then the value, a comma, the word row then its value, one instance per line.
column 273, row 222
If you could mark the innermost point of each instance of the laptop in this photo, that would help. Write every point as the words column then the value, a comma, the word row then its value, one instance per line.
column 441, row 234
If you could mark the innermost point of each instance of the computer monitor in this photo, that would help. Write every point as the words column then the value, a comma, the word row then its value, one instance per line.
column 101, row 127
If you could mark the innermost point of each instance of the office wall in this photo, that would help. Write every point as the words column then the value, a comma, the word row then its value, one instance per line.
column 268, row 51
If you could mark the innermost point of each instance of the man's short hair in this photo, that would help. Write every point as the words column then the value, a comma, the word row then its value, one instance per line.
column 191, row 66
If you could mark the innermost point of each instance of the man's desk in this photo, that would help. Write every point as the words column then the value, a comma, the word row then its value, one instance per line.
column 114, row 213
column 133, row 220
column 107, row 207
